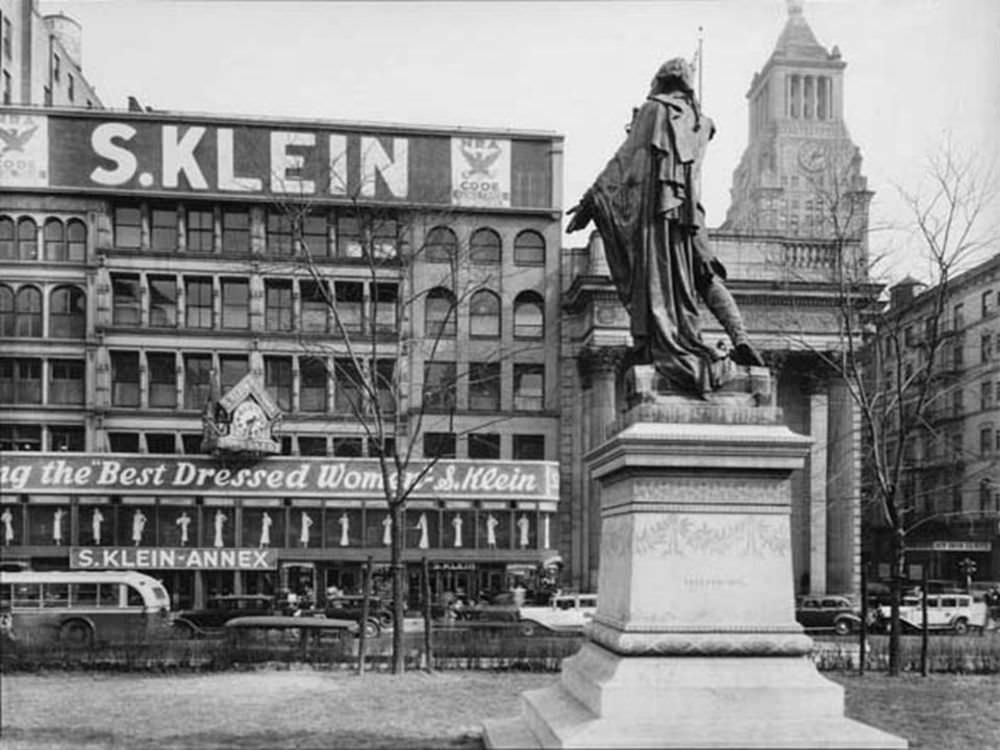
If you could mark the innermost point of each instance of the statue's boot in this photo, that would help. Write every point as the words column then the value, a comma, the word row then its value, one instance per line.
column 723, row 307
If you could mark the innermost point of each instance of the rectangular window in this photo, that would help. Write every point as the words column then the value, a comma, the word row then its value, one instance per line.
column 161, row 442
column 163, row 229
column 197, row 380
column 958, row 316
column 232, row 369
column 347, row 447
column 278, row 305
column 385, row 384
column 312, row 446
column 162, row 367
column 986, row 347
column 439, row 445
column 8, row 39
column 124, row 442
column 349, row 238
column 20, row 437
column 21, row 381
column 67, row 438
column 235, row 303
column 484, row 386
column 385, row 238
column 312, row 390
column 66, row 381
column 350, row 299
column 985, row 395
column 56, row 67
column 279, row 234
column 313, row 307
column 986, row 303
column 315, row 235
column 200, row 231
column 236, row 232
column 529, row 447
column 198, row 301
column 484, row 445
column 70, row 87
column 529, row 387
column 385, row 300
column 125, row 378
column 126, row 303
column 162, row 301
column 278, row 380
column 985, row 441
column 439, row 385
column 8, row 88
column 128, row 227
column 191, row 443
column 347, row 387
column 957, row 400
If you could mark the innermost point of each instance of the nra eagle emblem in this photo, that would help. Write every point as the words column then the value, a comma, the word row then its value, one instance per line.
column 15, row 140
column 480, row 155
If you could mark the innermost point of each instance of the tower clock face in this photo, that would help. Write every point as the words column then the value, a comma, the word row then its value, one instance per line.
column 812, row 156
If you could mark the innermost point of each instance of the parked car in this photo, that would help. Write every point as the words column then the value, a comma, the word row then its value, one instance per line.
column 837, row 613
column 220, row 610
column 566, row 613
column 350, row 607
column 955, row 612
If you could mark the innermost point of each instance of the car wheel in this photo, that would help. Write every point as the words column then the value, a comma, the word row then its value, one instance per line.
column 842, row 627
column 528, row 629
column 183, row 630
column 372, row 629
column 961, row 627
column 76, row 633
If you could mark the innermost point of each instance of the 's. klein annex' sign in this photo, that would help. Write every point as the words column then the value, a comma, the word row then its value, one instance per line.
column 171, row 558
column 136, row 474
column 161, row 153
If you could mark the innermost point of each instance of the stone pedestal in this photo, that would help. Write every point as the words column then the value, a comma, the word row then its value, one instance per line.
column 695, row 643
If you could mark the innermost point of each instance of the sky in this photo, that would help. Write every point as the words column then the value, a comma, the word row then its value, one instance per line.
column 919, row 72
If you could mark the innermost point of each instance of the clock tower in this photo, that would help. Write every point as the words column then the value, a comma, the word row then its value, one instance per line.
column 800, row 175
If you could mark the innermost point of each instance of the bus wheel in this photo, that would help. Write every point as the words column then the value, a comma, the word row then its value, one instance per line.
column 76, row 633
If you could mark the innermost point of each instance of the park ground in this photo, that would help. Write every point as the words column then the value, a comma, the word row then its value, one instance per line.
column 304, row 708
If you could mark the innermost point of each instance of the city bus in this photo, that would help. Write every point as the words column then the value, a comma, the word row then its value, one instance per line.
column 83, row 607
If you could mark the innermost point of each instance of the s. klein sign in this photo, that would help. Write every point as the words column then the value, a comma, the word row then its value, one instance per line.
column 171, row 558
column 203, row 157
column 137, row 474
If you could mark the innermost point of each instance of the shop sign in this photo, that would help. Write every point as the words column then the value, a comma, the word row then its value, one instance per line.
column 136, row 474
column 171, row 558
column 952, row 546
column 201, row 156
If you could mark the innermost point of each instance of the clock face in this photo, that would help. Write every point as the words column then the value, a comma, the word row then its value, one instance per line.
column 812, row 157
column 249, row 420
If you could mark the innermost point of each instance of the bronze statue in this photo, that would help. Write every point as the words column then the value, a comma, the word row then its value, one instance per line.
column 646, row 207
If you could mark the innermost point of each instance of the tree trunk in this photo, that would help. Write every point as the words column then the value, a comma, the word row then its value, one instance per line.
column 898, row 576
column 396, row 514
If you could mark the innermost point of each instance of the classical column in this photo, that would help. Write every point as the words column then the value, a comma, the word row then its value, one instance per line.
column 844, row 507
column 818, row 501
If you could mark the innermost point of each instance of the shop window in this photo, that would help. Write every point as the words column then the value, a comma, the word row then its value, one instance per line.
column 235, row 303
column 28, row 312
column 439, row 314
column 348, row 393
column 312, row 446
column 76, row 240
column 198, row 302
column 315, row 236
column 314, row 307
column 312, row 390
column 439, row 385
column 422, row 529
column 163, row 229
column 439, row 445
column 6, row 310
column 68, row 313
column 529, row 387
column 20, row 381
column 20, row 437
column 278, row 380
column 349, row 298
column 233, row 368
column 347, row 447
column 200, row 231
column 54, row 235
column 123, row 442
column 8, row 248
column 484, row 247
column 197, row 380
column 484, row 386
column 385, row 301
column 125, row 378
column 441, row 245
column 529, row 249
column 162, row 301
column 529, row 447
column 254, row 525
column 27, row 239
column 162, row 367
column 484, row 445
column 278, row 305
column 66, row 381
column 67, row 438
column 128, row 227
column 279, row 233
column 529, row 316
column 125, row 300
column 236, row 232
column 484, row 315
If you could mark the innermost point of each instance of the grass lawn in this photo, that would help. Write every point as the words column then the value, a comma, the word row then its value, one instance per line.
column 303, row 708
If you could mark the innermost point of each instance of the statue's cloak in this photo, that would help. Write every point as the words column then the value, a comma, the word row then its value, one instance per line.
column 646, row 206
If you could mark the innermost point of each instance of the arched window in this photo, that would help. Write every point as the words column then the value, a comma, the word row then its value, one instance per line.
column 484, row 247
column 529, row 249
column 55, row 240
column 441, row 245
column 76, row 245
column 7, row 238
column 68, row 313
column 28, row 312
column 439, row 313
column 484, row 315
column 27, row 239
column 529, row 316
column 6, row 310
